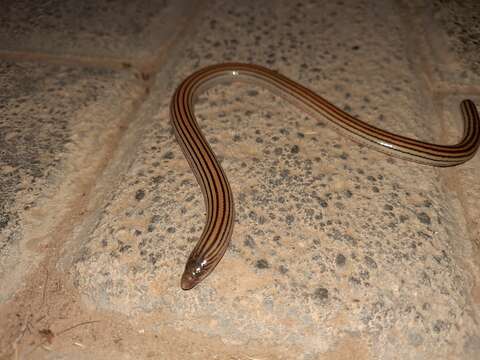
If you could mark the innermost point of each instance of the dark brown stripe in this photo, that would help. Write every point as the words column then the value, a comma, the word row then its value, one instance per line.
column 199, row 160
column 218, row 201
column 223, row 206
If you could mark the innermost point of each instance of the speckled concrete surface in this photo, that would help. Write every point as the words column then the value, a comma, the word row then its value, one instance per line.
column 338, row 251
column 460, row 22
column 450, row 40
column 53, row 120
column 125, row 31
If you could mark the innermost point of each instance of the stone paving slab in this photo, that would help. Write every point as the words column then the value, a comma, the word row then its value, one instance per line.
column 452, row 40
column 56, row 125
column 122, row 31
column 333, row 242
column 460, row 20
column 338, row 251
column 447, row 40
column 464, row 182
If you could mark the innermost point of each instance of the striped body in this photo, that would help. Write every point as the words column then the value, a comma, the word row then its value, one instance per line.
column 215, row 187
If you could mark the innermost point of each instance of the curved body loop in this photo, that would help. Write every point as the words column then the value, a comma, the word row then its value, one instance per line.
column 214, row 184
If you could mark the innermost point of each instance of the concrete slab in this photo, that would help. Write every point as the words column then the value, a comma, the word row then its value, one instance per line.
column 57, row 125
column 120, row 31
column 334, row 244
column 452, row 37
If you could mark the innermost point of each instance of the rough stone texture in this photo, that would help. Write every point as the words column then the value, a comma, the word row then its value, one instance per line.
column 126, row 30
column 49, row 127
column 461, row 22
column 332, row 241
column 451, row 46
column 338, row 252
column 452, row 39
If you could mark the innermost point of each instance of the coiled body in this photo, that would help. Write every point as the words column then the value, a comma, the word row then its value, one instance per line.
column 215, row 187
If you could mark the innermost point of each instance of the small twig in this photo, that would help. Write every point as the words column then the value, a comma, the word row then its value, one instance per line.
column 60, row 333
column 44, row 294
column 25, row 327
column 29, row 328
column 77, row 325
